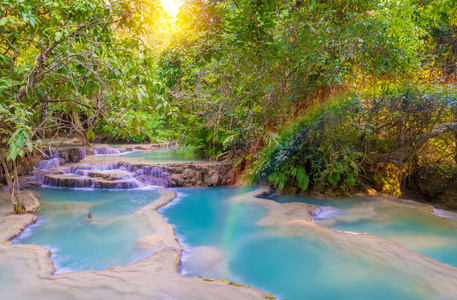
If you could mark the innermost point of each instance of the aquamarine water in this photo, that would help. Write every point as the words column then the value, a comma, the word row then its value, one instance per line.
column 413, row 228
column 166, row 155
column 109, row 239
column 222, row 240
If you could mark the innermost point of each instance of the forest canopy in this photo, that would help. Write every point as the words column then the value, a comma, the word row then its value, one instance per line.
column 326, row 95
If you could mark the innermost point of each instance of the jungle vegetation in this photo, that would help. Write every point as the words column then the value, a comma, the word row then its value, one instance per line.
column 330, row 96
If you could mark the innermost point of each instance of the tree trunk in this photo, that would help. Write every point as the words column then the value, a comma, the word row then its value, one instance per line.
column 16, row 199
column 79, row 129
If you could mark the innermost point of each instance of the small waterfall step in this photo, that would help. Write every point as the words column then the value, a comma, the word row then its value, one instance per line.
column 74, row 181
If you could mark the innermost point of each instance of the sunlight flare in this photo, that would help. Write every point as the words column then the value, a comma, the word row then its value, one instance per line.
column 171, row 7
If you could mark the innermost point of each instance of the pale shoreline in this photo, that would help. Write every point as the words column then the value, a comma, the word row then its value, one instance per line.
column 155, row 277
column 433, row 278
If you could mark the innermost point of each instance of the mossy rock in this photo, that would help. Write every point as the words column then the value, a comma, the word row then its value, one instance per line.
column 435, row 184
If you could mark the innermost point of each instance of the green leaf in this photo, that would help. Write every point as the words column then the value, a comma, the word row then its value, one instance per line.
column 12, row 154
column 238, row 161
column 134, row 132
column 282, row 181
column 90, row 134
column 140, row 97
column 302, row 179
column 3, row 21
column 210, row 136
column 58, row 36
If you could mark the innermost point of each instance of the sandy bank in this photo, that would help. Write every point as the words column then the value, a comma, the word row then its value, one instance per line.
column 12, row 225
column 164, row 235
column 155, row 277
column 29, row 269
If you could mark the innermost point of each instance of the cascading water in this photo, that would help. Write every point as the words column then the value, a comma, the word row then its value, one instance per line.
column 124, row 150
column 50, row 164
column 153, row 176
column 324, row 213
column 83, row 152
column 110, row 176
column 105, row 150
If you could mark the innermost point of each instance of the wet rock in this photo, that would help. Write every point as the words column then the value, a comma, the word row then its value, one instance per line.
column 69, row 154
column 214, row 178
column 433, row 184
column 177, row 179
column 31, row 184
column 110, row 175
column 201, row 174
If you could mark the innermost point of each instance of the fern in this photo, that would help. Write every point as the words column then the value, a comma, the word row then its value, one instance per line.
column 302, row 179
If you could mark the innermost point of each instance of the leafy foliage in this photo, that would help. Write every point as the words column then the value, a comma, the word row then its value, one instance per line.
column 310, row 94
column 345, row 142
column 318, row 151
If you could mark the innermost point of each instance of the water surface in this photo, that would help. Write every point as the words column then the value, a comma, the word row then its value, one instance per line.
column 109, row 239
column 416, row 229
column 222, row 240
column 165, row 155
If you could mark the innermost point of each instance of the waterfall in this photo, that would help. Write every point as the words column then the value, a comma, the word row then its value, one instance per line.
column 110, row 176
column 117, row 175
column 50, row 164
column 83, row 152
column 105, row 150
column 323, row 213
column 88, row 182
column 153, row 176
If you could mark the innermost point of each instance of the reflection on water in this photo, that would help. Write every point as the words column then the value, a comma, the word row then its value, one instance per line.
column 109, row 239
column 222, row 240
column 166, row 155
column 409, row 224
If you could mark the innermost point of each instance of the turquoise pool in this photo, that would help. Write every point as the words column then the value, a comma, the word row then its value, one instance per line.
column 109, row 239
column 222, row 240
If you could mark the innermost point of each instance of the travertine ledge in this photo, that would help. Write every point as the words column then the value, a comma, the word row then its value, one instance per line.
column 155, row 277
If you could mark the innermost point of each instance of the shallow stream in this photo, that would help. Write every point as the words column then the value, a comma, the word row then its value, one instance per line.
column 164, row 156
column 109, row 239
column 222, row 240
column 409, row 224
